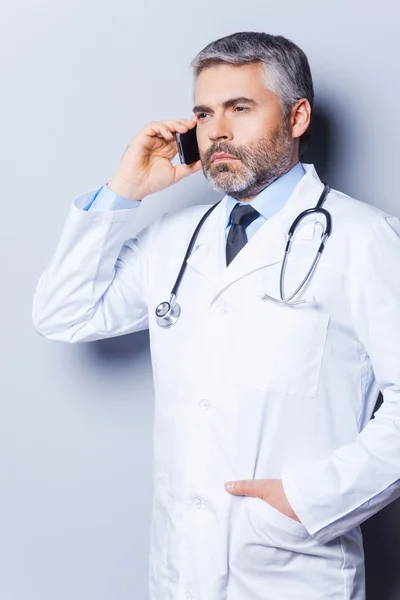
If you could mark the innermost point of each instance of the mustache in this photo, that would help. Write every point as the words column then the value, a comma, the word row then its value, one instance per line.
column 222, row 147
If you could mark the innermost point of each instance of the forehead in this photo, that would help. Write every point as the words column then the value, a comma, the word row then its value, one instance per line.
column 216, row 83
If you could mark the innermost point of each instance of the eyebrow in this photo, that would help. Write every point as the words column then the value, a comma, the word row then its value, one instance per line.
column 227, row 104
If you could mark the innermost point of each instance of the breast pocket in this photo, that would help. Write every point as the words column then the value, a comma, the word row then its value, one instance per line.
column 277, row 348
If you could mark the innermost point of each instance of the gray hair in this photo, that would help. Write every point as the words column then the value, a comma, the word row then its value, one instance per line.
column 286, row 70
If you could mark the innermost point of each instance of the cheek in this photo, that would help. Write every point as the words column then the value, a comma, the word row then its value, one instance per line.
column 203, row 140
column 249, row 130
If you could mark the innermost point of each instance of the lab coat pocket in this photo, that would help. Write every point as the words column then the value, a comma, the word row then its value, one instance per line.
column 159, row 537
column 277, row 348
column 267, row 518
column 270, row 551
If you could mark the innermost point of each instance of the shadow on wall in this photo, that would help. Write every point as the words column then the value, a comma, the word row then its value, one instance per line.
column 382, row 532
column 120, row 351
column 322, row 149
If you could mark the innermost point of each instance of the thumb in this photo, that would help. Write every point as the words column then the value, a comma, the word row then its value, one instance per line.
column 246, row 487
column 182, row 171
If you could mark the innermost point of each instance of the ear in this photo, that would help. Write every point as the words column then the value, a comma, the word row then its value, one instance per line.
column 300, row 117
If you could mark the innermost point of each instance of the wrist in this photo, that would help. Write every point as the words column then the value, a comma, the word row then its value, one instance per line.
column 124, row 189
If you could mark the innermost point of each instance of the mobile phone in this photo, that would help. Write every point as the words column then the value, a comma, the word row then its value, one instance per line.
column 187, row 146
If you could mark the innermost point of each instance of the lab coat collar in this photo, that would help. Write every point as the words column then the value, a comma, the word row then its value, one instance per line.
column 265, row 248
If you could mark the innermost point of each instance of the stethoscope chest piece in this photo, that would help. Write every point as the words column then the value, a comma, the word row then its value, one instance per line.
column 167, row 313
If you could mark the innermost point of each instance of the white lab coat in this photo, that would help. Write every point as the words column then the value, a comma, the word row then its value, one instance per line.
column 246, row 388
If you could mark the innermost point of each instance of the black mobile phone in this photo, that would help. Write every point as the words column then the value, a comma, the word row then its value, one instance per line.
column 187, row 146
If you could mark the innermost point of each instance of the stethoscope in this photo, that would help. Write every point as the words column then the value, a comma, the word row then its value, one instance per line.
column 168, row 313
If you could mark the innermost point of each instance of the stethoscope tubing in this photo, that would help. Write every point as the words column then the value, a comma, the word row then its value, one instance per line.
column 192, row 242
column 167, row 313
column 292, row 229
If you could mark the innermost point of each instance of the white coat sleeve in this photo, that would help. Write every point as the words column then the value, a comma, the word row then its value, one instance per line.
column 95, row 285
column 333, row 495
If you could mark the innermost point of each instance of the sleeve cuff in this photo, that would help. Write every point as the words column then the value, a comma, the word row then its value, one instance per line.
column 296, row 502
column 105, row 199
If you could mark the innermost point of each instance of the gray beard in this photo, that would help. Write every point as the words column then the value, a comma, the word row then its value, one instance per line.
column 263, row 162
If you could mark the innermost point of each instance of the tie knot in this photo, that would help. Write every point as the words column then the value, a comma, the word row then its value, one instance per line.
column 244, row 214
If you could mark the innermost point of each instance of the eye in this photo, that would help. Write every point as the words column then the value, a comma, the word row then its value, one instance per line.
column 243, row 108
column 200, row 115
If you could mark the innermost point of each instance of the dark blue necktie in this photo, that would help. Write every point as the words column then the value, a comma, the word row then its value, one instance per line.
column 242, row 215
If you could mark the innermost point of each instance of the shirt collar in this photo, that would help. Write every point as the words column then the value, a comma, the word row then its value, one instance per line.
column 270, row 200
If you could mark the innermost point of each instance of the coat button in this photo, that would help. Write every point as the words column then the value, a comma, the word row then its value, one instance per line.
column 223, row 309
column 204, row 404
column 196, row 502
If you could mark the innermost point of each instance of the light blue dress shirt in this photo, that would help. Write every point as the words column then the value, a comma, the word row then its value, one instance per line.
column 267, row 203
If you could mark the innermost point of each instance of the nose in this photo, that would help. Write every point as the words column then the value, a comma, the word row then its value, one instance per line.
column 220, row 131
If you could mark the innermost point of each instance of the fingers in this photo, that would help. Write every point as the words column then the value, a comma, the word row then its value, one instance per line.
column 246, row 487
column 180, row 124
column 182, row 171
column 167, row 129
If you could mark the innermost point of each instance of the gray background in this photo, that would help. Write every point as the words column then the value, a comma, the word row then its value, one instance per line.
column 79, row 79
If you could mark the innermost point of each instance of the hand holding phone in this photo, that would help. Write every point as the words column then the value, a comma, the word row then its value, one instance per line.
column 146, row 166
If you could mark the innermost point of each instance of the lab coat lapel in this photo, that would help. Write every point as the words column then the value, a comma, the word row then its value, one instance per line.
column 265, row 248
column 208, row 254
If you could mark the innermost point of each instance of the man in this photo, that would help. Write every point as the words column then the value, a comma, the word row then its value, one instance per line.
column 272, row 400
